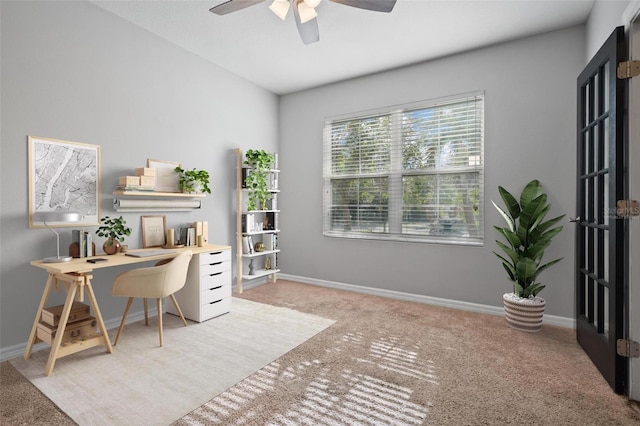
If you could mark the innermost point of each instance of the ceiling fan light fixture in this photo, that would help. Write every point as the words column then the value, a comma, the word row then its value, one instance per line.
column 280, row 8
column 312, row 3
column 306, row 13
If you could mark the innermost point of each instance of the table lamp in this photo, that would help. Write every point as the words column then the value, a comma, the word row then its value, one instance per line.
column 56, row 217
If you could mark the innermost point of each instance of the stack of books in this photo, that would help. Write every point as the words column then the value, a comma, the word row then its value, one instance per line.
column 82, row 244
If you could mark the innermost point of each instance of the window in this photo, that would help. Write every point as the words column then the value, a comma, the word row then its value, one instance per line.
column 414, row 173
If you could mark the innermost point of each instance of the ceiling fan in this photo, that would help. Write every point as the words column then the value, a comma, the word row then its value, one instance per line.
column 304, row 11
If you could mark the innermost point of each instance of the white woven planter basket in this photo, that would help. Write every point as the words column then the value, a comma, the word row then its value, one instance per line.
column 523, row 314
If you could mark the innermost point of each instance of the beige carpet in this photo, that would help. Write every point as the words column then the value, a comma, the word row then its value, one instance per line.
column 143, row 384
column 389, row 362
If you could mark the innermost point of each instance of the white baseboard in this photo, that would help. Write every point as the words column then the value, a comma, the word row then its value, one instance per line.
column 18, row 350
column 436, row 301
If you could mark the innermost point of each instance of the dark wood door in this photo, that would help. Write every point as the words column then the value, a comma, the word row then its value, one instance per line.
column 601, row 254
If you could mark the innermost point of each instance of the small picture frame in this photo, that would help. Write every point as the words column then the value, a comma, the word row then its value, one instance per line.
column 154, row 231
column 167, row 179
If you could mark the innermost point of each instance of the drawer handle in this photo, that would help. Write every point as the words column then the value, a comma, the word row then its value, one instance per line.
column 215, row 288
column 214, row 253
column 217, row 273
column 75, row 333
column 216, row 263
column 215, row 302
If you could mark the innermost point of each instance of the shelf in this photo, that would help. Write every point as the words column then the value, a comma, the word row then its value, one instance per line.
column 268, row 231
column 158, row 194
column 259, row 273
column 260, row 253
column 260, row 211
column 248, row 219
column 273, row 191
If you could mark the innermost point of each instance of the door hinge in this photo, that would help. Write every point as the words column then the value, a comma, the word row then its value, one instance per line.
column 628, row 208
column 628, row 69
column 628, row 348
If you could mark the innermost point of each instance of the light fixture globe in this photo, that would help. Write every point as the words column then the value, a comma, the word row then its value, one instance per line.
column 280, row 8
column 312, row 3
column 56, row 216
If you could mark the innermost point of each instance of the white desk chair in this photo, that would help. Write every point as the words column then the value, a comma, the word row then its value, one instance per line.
column 155, row 282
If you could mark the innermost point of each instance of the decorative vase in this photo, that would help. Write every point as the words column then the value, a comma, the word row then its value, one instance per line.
column 523, row 314
column 111, row 246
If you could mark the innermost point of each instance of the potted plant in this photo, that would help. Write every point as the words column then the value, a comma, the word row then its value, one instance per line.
column 193, row 181
column 256, row 181
column 527, row 236
column 114, row 229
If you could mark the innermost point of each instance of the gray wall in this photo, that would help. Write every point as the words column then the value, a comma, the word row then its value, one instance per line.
column 73, row 71
column 530, row 102
column 604, row 17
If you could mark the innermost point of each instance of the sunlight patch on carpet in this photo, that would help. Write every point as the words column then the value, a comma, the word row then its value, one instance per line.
column 331, row 395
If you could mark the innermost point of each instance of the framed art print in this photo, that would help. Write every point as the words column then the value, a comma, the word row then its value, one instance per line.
column 154, row 231
column 167, row 179
column 64, row 176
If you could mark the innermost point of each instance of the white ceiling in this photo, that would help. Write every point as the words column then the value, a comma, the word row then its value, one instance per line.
column 257, row 45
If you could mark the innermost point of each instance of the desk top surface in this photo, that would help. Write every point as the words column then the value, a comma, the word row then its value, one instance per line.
column 120, row 259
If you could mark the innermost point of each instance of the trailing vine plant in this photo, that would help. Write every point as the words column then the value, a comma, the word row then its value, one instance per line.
column 259, row 163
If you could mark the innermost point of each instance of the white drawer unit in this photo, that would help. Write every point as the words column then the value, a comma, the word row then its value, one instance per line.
column 207, row 292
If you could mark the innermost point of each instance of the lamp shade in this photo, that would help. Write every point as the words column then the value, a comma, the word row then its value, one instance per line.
column 280, row 8
column 56, row 216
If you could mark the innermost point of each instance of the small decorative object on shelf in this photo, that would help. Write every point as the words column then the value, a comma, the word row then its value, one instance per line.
column 115, row 230
column 193, row 181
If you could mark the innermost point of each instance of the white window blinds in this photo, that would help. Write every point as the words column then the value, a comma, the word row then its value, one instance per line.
column 411, row 173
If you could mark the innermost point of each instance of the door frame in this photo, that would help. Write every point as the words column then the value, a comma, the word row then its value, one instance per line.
column 631, row 21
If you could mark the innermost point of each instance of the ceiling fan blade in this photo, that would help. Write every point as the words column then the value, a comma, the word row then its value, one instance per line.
column 385, row 6
column 308, row 31
column 233, row 6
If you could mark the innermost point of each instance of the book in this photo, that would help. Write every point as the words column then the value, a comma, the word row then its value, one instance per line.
column 202, row 229
column 245, row 245
column 191, row 237
column 182, row 237
column 248, row 224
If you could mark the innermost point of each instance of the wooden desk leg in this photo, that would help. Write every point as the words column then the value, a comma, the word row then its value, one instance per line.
column 55, row 346
column 34, row 329
column 96, row 311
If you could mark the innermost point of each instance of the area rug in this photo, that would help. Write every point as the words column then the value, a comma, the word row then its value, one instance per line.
column 144, row 384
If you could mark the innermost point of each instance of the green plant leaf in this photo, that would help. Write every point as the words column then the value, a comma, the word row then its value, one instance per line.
column 533, row 290
column 510, row 236
column 542, row 227
column 513, row 255
column 510, row 202
column 530, row 192
column 506, row 217
column 510, row 271
column 527, row 216
column 518, row 290
column 526, row 271
column 547, row 265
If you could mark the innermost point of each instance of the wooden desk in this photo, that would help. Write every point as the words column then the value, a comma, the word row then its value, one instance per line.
column 76, row 276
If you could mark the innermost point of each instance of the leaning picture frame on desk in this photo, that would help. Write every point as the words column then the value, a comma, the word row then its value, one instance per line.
column 67, row 174
column 167, row 179
column 154, row 231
